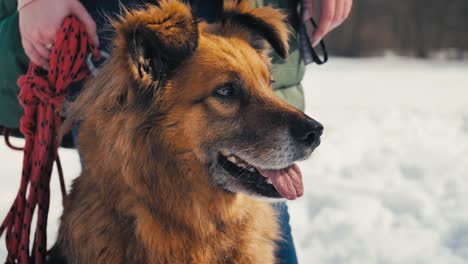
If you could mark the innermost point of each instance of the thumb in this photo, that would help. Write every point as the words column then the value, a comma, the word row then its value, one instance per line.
column 82, row 14
column 308, row 10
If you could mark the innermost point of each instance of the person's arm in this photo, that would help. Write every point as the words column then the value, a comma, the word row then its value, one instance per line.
column 39, row 21
column 332, row 14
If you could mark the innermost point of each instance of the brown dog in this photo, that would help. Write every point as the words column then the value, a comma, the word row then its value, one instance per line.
column 181, row 132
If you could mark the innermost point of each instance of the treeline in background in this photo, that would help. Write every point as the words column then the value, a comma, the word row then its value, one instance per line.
column 419, row 28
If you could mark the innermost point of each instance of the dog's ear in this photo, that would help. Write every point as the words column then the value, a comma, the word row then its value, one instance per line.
column 264, row 24
column 157, row 39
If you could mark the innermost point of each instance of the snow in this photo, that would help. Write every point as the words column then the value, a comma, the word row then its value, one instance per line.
column 389, row 184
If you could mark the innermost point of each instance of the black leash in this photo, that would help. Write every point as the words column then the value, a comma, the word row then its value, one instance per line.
column 323, row 47
column 315, row 57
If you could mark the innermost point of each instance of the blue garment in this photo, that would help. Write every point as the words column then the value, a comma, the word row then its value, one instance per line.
column 210, row 11
column 286, row 252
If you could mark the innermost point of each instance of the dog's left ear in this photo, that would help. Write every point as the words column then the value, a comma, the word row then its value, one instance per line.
column 263, row 23
column 157, row 39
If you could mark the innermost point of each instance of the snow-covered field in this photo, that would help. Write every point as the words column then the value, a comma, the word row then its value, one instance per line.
column 389, row 184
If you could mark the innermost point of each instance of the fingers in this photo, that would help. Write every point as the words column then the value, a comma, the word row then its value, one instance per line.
column 342, row 15
column 333, row 14
column 309, row 9
column 39, row 46
column 78, row 10
column 348, row 5
column 40, row 21
column 43, row 49
column 34, row 55
column 339, row 11
column 326, row 19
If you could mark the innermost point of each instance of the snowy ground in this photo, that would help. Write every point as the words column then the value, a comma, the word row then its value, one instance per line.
column 389, row 184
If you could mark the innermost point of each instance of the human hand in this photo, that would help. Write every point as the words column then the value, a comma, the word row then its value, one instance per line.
column 39, row 22
column 332, row 14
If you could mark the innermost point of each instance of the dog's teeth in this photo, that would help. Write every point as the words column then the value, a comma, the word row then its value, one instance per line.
column 268, row 181
column 239, row 162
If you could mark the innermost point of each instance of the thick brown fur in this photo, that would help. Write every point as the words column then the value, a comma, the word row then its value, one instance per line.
column 144, row 195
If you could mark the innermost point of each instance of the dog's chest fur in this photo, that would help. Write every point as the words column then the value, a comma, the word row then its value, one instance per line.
column 97, row 231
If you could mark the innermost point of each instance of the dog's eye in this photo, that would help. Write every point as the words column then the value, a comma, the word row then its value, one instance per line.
column 227, row 90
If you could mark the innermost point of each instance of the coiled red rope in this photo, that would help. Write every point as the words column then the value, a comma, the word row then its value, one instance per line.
column 42, row 94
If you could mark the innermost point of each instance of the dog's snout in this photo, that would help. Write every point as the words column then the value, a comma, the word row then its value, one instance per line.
column 307, row 131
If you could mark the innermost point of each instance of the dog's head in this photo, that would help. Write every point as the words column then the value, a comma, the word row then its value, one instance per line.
column 207, row 89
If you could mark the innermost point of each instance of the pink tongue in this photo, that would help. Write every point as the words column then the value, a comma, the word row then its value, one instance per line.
column 287, row 181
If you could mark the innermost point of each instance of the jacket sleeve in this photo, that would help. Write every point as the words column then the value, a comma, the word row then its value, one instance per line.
column 7, row 8
column 13, row 63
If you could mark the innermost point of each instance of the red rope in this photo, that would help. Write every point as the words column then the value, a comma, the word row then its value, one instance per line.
column 6, row 136
column 41, row 96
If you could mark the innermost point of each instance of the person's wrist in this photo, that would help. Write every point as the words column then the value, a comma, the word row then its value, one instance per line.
column 23, row 3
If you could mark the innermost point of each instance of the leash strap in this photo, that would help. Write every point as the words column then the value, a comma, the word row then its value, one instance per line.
column 310, row 51
column 323, row 47
column 41, row 95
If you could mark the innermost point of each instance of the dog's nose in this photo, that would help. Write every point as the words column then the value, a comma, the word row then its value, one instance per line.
column 307, row 131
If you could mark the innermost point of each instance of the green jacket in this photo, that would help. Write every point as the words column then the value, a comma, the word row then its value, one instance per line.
column 13, row 63
column 289, row 74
